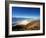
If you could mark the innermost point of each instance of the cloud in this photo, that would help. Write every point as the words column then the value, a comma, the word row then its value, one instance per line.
column 26, row 16
column 24, row 22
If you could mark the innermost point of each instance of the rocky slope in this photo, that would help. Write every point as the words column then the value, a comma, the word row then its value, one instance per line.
column 34, row 25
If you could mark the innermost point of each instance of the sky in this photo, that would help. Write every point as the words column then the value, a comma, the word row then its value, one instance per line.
column 25, row 12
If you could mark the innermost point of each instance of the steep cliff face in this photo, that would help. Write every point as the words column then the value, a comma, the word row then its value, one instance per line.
column 34, row 25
